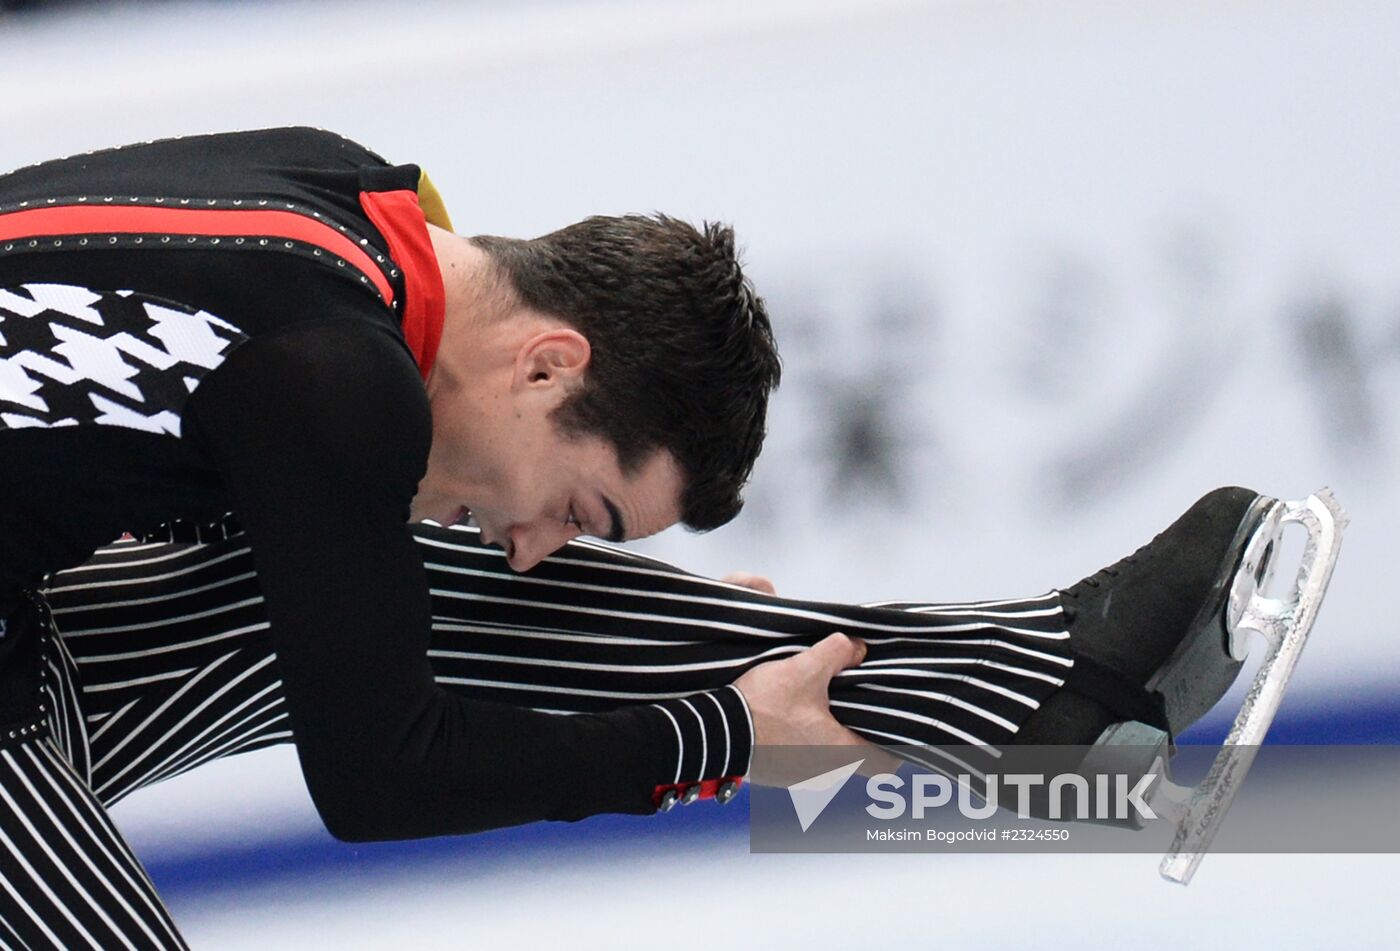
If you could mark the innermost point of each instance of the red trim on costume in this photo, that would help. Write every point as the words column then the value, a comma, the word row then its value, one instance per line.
column 66, row 220
column 399, row 219
column 708, row 788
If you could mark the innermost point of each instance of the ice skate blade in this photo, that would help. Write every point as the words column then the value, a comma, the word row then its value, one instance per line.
column 1284, row 624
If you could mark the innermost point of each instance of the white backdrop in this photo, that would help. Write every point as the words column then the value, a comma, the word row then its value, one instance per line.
column 1042, row 274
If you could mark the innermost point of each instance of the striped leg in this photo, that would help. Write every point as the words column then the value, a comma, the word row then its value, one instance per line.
column 67, row 879
column 178, row 669
column 595, row 626
column 176, row 663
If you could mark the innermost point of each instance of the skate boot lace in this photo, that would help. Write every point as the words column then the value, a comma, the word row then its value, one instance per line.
column 1107, row 575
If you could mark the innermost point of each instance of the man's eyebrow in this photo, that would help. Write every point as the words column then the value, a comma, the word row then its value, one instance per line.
column 618, row 531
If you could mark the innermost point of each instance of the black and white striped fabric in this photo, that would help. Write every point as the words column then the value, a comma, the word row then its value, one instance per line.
column 175, row 665
column 67, row 878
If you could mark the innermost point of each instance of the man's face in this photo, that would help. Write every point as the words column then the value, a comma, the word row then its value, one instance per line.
column 531, row 488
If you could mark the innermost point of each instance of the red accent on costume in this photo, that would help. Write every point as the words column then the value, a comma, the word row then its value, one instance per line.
column 399, row 219
column 76, row 220
column 708, row 788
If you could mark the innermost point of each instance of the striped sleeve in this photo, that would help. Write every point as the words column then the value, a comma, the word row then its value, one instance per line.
column 710, row 744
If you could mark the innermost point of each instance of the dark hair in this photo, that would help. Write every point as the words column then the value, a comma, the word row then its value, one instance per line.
column 683, row 356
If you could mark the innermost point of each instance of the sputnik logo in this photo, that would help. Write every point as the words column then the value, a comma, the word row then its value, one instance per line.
column 811, row 796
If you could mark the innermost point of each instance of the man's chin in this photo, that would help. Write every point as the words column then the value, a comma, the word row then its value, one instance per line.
column 443, row 515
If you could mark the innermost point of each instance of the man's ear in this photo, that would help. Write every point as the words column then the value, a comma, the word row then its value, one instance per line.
column 555, row 357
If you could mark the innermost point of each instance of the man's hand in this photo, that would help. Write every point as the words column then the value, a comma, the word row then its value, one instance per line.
column 790, row 705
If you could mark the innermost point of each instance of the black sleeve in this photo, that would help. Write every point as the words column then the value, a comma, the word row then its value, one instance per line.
column 322, row 432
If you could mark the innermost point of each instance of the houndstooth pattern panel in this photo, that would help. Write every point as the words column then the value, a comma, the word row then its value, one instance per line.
column 74, row 356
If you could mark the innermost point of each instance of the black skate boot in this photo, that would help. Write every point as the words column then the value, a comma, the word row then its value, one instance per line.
column 1157, row 639
column 1148, row 633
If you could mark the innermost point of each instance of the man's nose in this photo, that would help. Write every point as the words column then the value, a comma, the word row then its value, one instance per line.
column 527, row 546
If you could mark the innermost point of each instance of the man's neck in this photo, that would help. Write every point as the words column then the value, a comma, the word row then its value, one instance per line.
column 455, row 256
column 473, row 305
